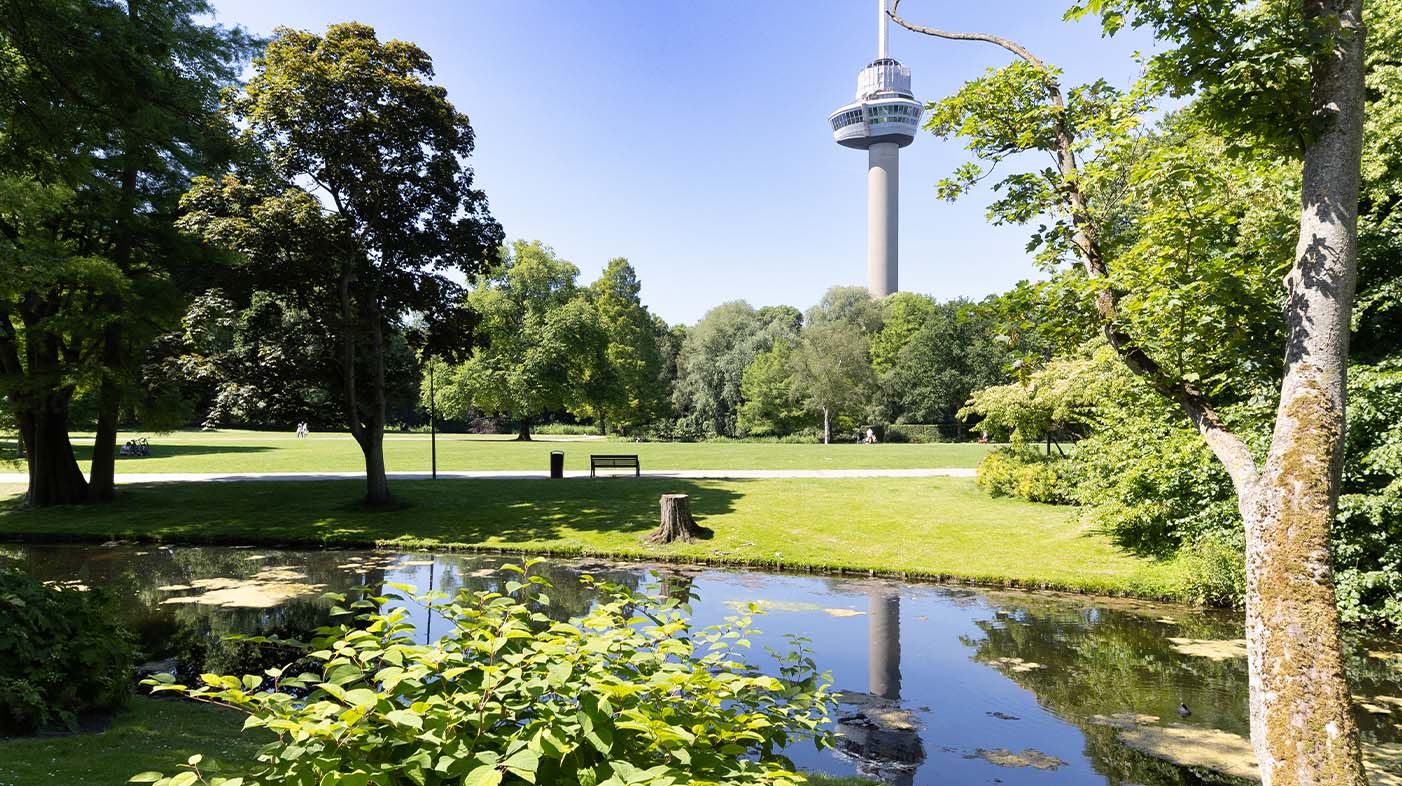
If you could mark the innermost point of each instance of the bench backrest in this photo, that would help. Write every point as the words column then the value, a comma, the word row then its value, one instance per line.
column 623, row 460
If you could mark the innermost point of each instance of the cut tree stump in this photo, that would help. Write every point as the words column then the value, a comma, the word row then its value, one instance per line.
column 677, row 523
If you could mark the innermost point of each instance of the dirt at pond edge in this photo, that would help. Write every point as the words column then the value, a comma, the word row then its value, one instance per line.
column 658, row 556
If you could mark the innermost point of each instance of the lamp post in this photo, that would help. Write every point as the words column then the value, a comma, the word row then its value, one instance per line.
column 432, row 423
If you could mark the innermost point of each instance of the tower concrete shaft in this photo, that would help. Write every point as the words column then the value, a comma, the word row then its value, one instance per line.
column 883, row 218
column 883, row 119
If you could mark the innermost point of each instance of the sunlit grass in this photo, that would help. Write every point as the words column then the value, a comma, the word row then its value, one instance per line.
column 152, row 734
column 258, row 451
column 929, row 527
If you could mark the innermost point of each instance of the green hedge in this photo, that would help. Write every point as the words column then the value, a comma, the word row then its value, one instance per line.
column 919, row 433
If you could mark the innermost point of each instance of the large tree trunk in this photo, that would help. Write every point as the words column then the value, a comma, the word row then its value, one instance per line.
column 523, row 430
column 54, row 476
column 102, row 483
column 376, row 482
column 102, row 477
column 1301, row 722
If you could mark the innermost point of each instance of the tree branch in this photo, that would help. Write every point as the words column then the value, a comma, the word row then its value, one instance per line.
column 1229, row 448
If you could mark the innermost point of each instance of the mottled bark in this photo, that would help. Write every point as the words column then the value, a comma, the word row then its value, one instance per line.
column 42, row 407
column 1301, row 724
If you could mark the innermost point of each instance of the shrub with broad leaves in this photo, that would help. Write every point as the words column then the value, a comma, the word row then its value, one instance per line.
column 63, row 654
column 630, row 693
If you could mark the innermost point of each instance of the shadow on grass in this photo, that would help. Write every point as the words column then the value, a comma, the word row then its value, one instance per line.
column 566, row 514
column 158, row 450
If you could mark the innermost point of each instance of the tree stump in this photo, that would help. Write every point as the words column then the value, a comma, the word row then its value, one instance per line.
column 677, row 523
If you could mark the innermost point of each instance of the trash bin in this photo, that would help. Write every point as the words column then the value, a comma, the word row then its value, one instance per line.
column 557, row 463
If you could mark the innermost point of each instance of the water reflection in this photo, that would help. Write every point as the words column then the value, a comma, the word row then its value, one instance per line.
column 879, row 736
column 940, row 685
column 884, row 639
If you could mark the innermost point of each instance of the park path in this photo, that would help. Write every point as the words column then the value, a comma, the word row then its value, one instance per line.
column 693, row 474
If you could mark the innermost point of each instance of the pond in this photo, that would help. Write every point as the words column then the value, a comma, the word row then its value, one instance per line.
column 941, row 684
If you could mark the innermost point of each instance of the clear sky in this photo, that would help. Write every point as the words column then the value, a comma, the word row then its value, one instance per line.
column 691, row 136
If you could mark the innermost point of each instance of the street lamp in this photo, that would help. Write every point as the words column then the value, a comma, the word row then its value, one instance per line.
column 432, row 422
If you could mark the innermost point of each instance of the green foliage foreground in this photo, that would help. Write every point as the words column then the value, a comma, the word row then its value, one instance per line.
column 63, row 656
column 629, row 693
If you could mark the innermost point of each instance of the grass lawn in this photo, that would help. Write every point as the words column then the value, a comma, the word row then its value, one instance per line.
column 152, row 734
column 927, row 527
column 159, row 735
column 260, row 451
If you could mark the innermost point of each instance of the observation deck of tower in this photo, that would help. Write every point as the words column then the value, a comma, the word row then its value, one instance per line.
column 883, row 119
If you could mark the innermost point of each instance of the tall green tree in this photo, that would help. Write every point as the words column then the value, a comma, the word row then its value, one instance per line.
column 106, row 111
column 1286, row 78
column 854, row 305
column 545, row 345
column 635, row 392
column 770, row 407
column 954, row 353
column 713, row 358
column 905, row 313
column 832, row 371
column 360, row 120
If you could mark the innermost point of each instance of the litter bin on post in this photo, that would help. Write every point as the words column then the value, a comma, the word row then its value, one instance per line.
column 557, row 463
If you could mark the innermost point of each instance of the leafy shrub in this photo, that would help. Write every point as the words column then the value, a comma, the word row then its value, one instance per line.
column 1214, row 570
column 1148, row 480
column 62, row 654
column 804, row 436
column 687, row 429
column 997, row 472
column 629, row 693
column 1022, row 472
column 565, row 429
column 1040, row 481
column 1367, row 536
column 918, row 433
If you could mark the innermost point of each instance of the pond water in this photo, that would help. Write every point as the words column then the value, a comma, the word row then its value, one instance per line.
column 944, row 685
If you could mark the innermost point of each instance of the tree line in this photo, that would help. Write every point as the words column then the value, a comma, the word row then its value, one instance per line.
column 550, row 348
column 285, row 227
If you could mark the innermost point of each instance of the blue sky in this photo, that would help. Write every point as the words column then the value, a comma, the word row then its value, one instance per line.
column 690, row 136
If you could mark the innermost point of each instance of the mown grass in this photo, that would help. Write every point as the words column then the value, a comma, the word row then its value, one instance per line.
column 254, row 451
column 151, row 734
column 156, row 735
column 943, row 528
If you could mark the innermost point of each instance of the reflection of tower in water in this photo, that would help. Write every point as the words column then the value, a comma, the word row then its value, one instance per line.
column 884, row 644
column 880, row 737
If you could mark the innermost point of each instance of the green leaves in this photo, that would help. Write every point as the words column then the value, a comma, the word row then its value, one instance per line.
column 628, row 693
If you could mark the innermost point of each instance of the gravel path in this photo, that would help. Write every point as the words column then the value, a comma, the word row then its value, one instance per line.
column 699, row 474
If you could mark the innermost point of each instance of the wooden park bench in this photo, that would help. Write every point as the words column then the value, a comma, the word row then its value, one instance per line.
column 597, row 462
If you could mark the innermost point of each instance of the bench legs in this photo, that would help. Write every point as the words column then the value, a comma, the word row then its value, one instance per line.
column 637, row 470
